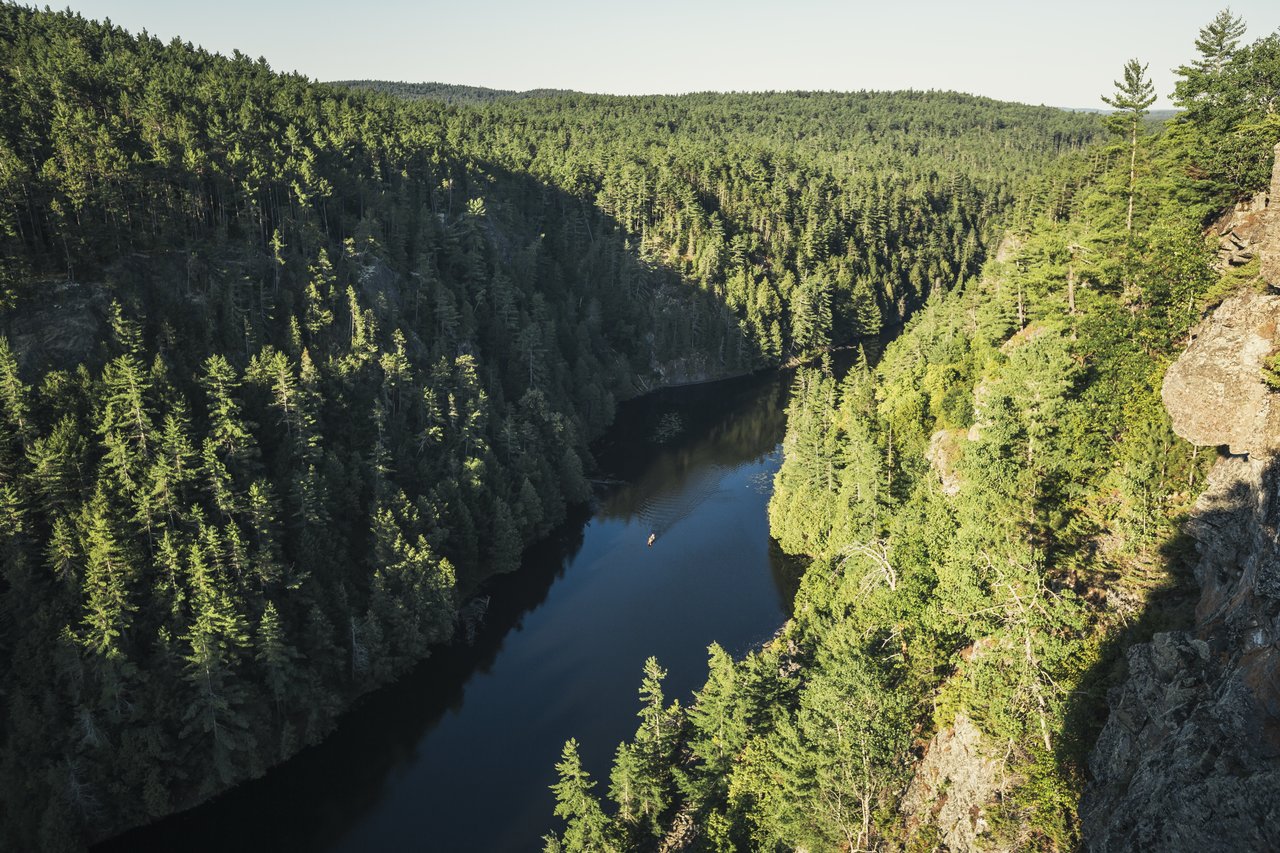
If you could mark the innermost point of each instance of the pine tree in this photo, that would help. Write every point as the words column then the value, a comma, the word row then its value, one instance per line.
column 626, row 779
column 15, row 423
column 215, row 639
column 1199, row 86
column 126, row 423
column 507, row 546
column 276, row 657
column 718, row 727
column 176, row 464
column 230, row 432
column 319, row 293
column 1132, row 98
column 652, row 781
column 55, row 462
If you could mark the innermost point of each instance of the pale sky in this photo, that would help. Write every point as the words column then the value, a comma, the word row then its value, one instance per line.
column 1063, row 53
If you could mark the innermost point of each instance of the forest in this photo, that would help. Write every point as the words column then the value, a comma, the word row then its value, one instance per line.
column 287, row 368
column 993, row 513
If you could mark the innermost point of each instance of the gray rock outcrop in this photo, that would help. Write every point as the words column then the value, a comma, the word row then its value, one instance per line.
column 953, row 785
column 1189, row 759
column 1214, row 392
column 1270, row 243
column 945, row 449
column 1252, row 229
column 1241, row 231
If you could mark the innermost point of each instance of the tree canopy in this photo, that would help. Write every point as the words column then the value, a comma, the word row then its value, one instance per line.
column 288, row 368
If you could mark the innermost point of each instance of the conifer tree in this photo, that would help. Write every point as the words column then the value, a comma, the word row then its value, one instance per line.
column 230, row 435
column 275, row 655
column 587, row 828
column 1132, row 98
column 109, row 572
column 1200, row 86
column 718, row 726
column 15, row 403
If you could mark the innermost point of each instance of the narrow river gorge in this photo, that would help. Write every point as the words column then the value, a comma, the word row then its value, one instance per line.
column 459, row 754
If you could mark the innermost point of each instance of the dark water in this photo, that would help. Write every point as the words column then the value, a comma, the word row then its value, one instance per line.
column 459, row 754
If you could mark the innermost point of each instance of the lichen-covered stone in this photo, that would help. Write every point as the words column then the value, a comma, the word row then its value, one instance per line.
column 953, row 785
column 1214, row 392
column 945, row 448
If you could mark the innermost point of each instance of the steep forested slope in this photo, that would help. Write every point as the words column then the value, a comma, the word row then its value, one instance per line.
column 994, row 513
column 281, row 375
column 815, row 217
column 286, row 368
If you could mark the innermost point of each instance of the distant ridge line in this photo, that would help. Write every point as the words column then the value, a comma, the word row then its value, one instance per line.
column 450, row 93
column 457, row 93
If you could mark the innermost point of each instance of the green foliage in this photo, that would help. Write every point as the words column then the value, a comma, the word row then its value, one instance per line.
column 1271, row 371
column 644, row 775
column 1228, row 96
column 1133, row 97
column 588, row 828
column 322, row 359
column 1031, row 393
column 380, row 332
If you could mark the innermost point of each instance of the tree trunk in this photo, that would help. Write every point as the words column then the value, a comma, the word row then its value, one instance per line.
column 1133, row 175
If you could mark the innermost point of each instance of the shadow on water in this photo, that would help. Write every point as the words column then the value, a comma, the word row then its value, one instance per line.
column 312, row 798
column 692, row 446
column 459, row 753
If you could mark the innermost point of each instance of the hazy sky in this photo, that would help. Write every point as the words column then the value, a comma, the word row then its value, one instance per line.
column 1064, row 53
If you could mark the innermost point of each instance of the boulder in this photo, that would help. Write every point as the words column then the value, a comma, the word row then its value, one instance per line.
column 945, row 447
column 1241, row 231
column 1214, row 392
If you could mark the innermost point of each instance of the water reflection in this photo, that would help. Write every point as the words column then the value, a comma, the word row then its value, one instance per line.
column 458, row 755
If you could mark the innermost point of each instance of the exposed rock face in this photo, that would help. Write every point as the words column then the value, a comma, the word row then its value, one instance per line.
column 1189, row 759
column 1252, row 228
column 1241, row 231
column 953, row 783
column 1008, row 248
column 1270, row 245
column 1215, row 392
column 62, row 329
column 1190, row 756
column 943, row 454
column 1175, row 769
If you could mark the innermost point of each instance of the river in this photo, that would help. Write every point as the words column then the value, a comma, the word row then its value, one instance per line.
column 458, row 755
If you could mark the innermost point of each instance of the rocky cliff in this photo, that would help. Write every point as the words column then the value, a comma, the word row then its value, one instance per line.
column 1270, row 243
column 955, row 783
column 1189, row 758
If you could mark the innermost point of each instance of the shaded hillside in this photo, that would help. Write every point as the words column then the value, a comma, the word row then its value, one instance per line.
column 286, row 368
column 1211, row 689
column 997, row 516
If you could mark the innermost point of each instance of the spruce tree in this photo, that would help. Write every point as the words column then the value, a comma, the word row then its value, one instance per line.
column 587, row 828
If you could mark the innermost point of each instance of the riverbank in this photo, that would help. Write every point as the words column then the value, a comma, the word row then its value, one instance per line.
column 558, row 652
